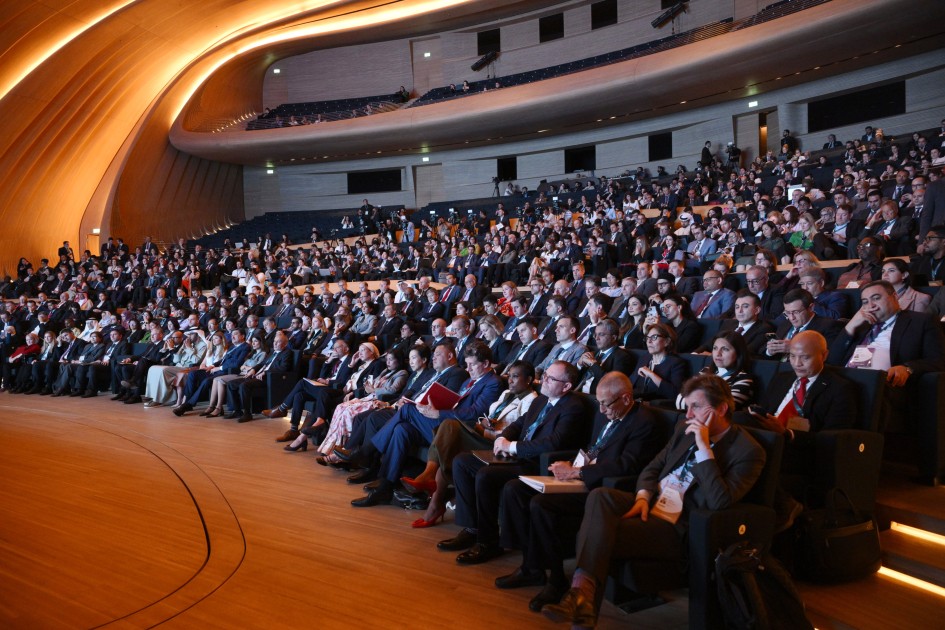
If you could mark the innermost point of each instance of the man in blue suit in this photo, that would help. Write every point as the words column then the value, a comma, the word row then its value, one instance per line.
column 714, row 301
column 199, row 381
column 413, row 425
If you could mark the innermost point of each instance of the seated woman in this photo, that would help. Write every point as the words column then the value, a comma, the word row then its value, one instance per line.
column 661, row 373
column 806, row 237
column 490, row 329
column 632, row 326
column 731, row 361
column 896, row 273
column 680, row 317
column 453, row 438
column 256, row 357
column 376, row 392
column 163, row 379
column 213, row 356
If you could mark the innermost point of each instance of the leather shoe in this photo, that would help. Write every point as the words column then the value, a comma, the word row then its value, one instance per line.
column 179, row 411
column 132, row 400
column 573, row 607
column 344, row 454
column 89, row 394
column 246, row 417
column 378, row 496
column 365, row 476
column 231, row 415
column 463, row 540
column 275, row 413
column 480, row 553
column 521, row 578
column 288, row 436
column 551, row 594
column 119, row 396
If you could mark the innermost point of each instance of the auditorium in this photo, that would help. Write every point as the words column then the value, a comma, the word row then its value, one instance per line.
column 466, row 313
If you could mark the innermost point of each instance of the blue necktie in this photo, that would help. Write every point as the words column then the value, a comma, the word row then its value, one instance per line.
column 534, row 427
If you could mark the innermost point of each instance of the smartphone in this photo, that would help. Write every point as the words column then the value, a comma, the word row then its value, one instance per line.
column 756, row 409
column 771, row 336
column 653, row 312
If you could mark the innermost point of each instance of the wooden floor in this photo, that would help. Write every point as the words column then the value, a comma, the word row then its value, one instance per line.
column 118, row 516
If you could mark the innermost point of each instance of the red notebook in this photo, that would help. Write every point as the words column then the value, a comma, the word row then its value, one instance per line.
column 440, row 397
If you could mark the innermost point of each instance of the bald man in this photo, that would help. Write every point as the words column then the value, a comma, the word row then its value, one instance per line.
column 798, row 404
column 625, row 438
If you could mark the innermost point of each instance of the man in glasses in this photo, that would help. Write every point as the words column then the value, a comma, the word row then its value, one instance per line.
column 870, row 267
column 709, row 463
column 625, row 437
column 555, row 421
column 799, row 316
column 771, row 298
column 928, row 268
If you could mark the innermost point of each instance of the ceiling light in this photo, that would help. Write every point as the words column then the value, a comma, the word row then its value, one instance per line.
column 96, row 230
column 270, row 171
column 424, row 159
column 276, row 70
column 752, row 103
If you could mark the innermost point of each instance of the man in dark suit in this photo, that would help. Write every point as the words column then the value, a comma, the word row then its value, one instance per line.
column 882, row 336
column 240, row 391
column 771, row 297
column 472, row 293
column 334, row 373
column 199, row 381
column 88, row 377
column 933, row 210
column 519, row 313
column 540, row 297
column 625, row 438
column 712, row 462
column 554, row 421
column 607, row 357
column 747, row 324
column 799, row 316
column 450, row 293
column 414, row 425
column 529, row 349
column 132, row 370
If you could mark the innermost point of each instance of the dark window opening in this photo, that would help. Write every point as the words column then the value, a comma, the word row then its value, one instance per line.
column 374, row 182
column 661, row 146
column 580, row 159
column 506, row 169
column 550, row 27
column 603, row 14
column 488, row 41
column 855, row 107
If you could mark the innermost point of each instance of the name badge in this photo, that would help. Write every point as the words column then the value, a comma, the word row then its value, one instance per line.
column 853, row 284
column 862, row 357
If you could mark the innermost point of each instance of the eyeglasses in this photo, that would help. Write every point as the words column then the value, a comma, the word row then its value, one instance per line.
column 929, row 237
column 755, row 281
column 795, row 313
column 549, row 377
column 655, row 337
column 608, row 405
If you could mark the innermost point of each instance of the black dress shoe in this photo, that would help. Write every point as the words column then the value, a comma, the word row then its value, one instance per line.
column 75, row 393
column 521, row 577
column 551, row 594
column 183, row 409
column 119, row 396
column 231, row 415
column 133, row 400
column 365, row 476
column 479, row 554
column 46, row 391
column 573, row 607
column 344, row 454
column 246, row 417
column 379, row 496
column 89, row 394
column 463, row 540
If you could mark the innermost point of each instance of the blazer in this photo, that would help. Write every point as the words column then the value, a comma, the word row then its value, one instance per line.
column 618, row 360
column 514, row 410
column 281, row 361
column 686, row 286
column 917, row 342
column 720, row 305
column 534, row 355
column 688, row 335
column 673, row 370
column 754, row 336
column 829, row 328
column 631, row 445
column 831, row 304
column 475, row 403
column 719, row 482
column 234, row 358
column 563, row 427
column 571, row 355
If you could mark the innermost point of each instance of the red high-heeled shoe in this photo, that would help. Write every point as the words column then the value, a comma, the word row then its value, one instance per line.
column 420, row 486
column 421, row 522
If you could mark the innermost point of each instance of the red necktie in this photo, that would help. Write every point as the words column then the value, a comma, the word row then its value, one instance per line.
column 796, row 404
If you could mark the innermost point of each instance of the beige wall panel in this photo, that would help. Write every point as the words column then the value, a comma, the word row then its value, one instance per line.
column 428, row 183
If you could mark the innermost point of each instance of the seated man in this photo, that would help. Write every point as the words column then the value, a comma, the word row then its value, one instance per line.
column 626, row 437
column 334, row 374
column 829, row 304
column 800, row 316
column 608, row 357
column 882, row 336
column 746, row 323
column 554, row 422
column 709, row 463
column 798, row 404
column 413, row 424
column 240, row 391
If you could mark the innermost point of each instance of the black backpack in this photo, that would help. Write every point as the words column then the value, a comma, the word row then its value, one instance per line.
column 756, row 592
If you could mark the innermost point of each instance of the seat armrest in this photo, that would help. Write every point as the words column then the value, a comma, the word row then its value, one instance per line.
column 626, row 483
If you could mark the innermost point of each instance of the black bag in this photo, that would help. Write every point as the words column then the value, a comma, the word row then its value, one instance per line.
column 410, row 501
column 755, row 592
column 836, row 543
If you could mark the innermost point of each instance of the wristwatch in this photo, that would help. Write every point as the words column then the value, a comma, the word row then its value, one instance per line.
column 581, row 474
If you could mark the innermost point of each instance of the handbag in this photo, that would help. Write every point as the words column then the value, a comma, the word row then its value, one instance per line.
column 837, row 543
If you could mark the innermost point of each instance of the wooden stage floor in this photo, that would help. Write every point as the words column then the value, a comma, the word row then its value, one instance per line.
column 123, row 517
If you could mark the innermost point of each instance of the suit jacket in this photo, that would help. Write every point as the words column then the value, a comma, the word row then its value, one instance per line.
column 539, row 310
column 754, row 336
column 687, row 286
column 571, row 355
column 721, row 305
column 688, row 334
column 917, row 342
column 619, row 360
column 673, row 371
column 234, row 358
column 278, row 362
column 631, row 445
column 718, row 483
column 475, row 297
column 832, row 305
column 829, row 328
column 933, row 211
column 476, row 401
column 534, row 355
column 772, row 303
column 563, row 427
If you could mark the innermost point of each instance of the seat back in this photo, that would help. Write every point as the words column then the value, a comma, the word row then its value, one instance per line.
column 762, row 493
column 871, row 385
column 696, row 361
column 764, row 371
